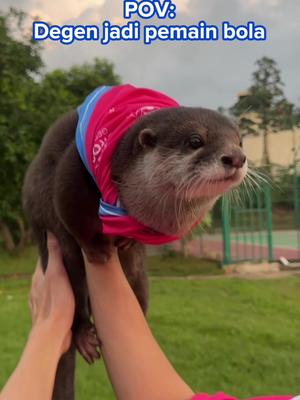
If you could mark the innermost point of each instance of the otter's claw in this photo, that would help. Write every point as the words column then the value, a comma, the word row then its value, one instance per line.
column 87, row 343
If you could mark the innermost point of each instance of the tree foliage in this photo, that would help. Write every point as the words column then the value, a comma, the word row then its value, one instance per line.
column 62, row 90
column 30, row 100
column 20, row 61
column 264, row 107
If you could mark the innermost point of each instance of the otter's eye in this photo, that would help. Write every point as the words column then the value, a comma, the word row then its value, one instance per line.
column 241, row 144
column 196, row 142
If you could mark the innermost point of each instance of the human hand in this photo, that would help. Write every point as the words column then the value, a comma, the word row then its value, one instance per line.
column 52, row 302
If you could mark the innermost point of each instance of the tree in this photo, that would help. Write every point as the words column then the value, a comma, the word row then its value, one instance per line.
column 20, row 62
column 297, row 116
column 29, row 102
column 62, row 90
column 264, row 108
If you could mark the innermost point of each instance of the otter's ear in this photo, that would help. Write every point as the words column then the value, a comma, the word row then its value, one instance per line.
column 147, row 138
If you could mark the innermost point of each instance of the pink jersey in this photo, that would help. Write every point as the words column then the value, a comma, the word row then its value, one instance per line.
column 104, row 118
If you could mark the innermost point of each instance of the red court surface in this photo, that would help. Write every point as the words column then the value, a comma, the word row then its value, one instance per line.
column 239, row 252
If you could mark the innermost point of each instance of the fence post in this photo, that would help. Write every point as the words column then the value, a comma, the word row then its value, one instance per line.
column 268, row 201
column 226, row 233
column 296, row 203
column 296, row 195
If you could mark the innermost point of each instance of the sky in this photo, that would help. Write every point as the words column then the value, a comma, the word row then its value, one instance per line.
column 206, row 74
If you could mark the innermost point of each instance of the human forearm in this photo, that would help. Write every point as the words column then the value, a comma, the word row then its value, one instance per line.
column 52, row 307
column 136, row 365
column 35, row 373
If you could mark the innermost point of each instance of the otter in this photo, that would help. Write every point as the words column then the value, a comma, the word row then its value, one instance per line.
column 169, row 169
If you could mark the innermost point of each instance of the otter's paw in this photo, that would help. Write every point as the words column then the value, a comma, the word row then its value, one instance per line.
column 87, row 342
column 97, row 257
column 98, row 249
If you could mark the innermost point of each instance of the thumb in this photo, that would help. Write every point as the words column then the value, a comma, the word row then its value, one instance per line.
column 54, row 254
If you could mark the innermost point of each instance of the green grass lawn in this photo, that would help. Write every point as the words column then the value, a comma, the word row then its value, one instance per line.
column 175, row 265
column 20, row 263
column 231, row 335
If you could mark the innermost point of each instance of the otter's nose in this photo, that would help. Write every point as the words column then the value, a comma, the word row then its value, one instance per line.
column 234, row 160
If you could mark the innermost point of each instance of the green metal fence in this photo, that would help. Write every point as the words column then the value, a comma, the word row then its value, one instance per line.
column 296, row 202
column 247, row 228
column 267, row 224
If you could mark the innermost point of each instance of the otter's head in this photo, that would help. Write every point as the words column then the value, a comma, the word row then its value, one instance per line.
column 173, row 165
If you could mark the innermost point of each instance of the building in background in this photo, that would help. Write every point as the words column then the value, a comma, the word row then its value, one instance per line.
column 284, row 147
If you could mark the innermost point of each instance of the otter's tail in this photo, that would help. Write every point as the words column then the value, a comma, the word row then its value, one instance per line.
column 64, row 380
